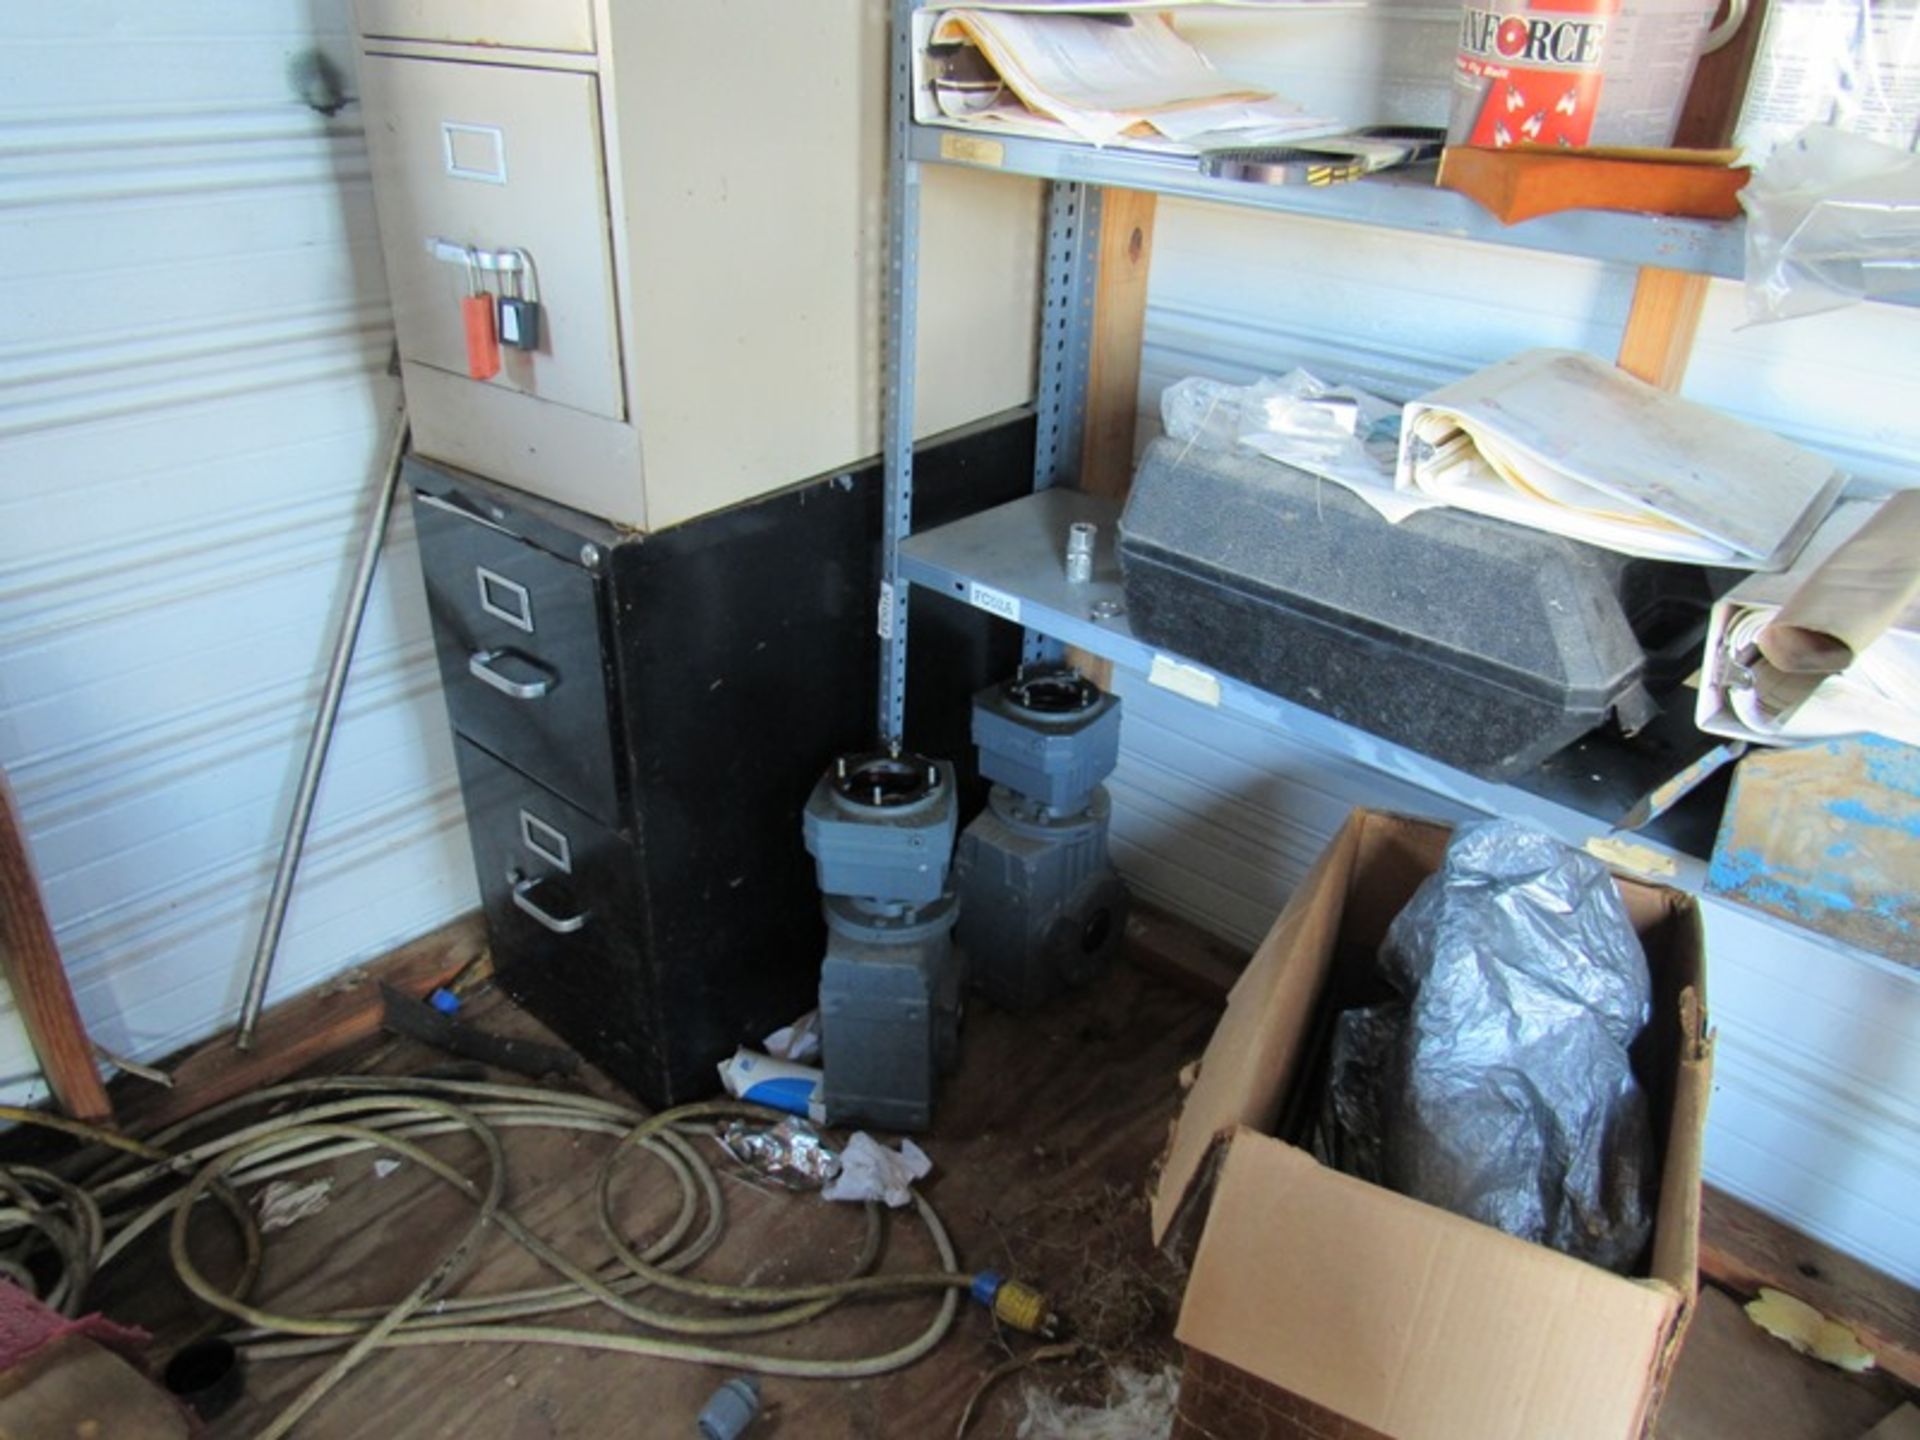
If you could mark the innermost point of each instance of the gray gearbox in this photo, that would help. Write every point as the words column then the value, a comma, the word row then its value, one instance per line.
column 880, row 828
column 889, row 1012
column 1041, row 907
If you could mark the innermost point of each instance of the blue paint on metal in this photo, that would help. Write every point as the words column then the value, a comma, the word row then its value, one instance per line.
column 1861, row 813
column 1828, row 836
column 1751, row 875
column 1889, row 764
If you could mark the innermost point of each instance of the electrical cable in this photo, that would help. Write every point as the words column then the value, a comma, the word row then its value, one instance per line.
column 87, row 1222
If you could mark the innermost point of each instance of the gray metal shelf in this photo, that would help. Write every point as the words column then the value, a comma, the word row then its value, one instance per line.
column 1403, row 200
column 1007, row 562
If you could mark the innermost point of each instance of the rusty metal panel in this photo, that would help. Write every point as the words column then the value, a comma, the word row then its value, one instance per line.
column 1828, row 836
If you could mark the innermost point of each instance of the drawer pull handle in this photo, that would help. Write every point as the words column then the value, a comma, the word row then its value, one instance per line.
column 480, row 666
column 523, row 900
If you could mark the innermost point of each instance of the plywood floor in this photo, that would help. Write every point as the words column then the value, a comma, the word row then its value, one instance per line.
column 1043, row 1144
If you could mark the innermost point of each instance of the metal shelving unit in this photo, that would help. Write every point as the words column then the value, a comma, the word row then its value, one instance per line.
column 1007, row 561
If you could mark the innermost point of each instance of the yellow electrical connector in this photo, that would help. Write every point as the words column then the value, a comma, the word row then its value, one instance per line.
column 1017, row 1305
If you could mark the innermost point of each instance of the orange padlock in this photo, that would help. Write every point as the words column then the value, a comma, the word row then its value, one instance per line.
column 483, row 337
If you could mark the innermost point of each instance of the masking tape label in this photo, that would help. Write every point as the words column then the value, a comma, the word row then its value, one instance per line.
column 994, row 602
column 1184, row 679
column 973, row 150
column 886, row 609
column 1626, row 855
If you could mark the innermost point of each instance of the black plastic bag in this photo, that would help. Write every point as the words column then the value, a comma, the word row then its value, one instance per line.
column 1498, row 1083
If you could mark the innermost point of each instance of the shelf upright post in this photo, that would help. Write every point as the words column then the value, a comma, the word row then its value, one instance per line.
column 1065, row 348
column 1066, row 330
column 902, row 309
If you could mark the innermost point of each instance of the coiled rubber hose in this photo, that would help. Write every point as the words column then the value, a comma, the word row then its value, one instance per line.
column 88, row 1222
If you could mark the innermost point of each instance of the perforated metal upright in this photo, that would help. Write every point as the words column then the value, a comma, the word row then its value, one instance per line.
column 1066, row 330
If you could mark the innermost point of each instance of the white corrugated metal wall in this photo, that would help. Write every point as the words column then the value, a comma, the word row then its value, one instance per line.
column 1814, row 1113
column 193, row 397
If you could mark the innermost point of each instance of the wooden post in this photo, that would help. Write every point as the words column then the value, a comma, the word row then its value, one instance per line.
column 30, row 959
column 1119, row 320
column 1661, row 324
column 1113, row 362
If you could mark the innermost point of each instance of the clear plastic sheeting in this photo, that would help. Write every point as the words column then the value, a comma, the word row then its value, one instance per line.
column 1497, row 1083
column 1334, row 431
column 1832, row 218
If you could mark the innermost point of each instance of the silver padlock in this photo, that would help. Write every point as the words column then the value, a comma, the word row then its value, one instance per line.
column 519, row 313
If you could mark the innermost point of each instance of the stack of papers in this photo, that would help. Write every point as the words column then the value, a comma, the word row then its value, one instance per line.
column 1831, row 646
column 1560, row 441
column 1121, row 76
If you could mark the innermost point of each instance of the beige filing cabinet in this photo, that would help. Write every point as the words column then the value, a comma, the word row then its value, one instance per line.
column 700, row 189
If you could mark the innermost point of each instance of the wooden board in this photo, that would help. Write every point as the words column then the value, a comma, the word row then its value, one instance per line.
column 1736, row 1382
column 30, row 959
column 302, row 1031
column 1742, row 1249
column 1661, row 325
column 1124, row 260
column 1720, row 84
column 1119, row 322
column 1516, row 185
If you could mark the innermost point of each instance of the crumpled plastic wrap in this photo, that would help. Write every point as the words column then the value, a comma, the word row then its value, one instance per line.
column 1832, row 218
column 1337, row 432
column 1497, row 1084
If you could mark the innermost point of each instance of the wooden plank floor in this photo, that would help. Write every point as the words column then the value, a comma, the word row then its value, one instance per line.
column 1043, row 1143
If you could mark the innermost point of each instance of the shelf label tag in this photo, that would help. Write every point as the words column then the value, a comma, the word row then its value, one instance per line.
column 994, row 602
column 972, row 150
column 886, row 609
column 1184, row 679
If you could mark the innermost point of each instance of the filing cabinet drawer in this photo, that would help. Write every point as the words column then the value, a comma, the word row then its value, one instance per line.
column 567, row 910
column 497, row 158
column 565, row 25
column 517, row 630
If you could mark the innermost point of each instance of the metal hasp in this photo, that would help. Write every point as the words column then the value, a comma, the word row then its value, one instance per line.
column 320, row 738
column 1041, row 907
column 880, row 828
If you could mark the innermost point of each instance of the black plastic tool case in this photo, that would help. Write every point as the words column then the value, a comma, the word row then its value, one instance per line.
column 1483, row 644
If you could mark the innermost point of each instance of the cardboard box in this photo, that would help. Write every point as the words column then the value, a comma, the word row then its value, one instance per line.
column 1322, row 1306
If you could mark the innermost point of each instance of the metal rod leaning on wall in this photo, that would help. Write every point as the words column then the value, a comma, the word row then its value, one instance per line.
column 321, row 738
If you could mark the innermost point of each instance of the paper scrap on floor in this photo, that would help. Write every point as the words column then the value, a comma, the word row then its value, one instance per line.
column 1561, row 441
column 1831, row 646
column 1118, row 78
column 870, row 1171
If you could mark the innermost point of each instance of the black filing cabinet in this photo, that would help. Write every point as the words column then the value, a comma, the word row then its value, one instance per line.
column 638, row 720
